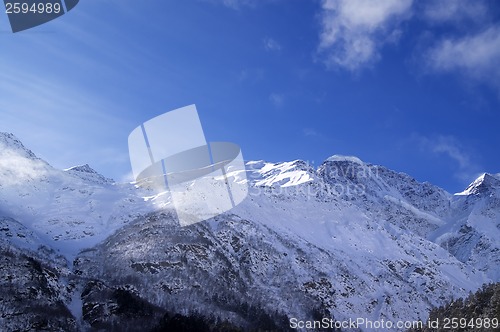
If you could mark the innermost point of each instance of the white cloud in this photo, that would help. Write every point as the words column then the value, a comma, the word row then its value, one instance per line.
column 271, row 44
column 277, row 99
column 477, row 56
column 353, row 31
column 454, row 10
column 17, row 169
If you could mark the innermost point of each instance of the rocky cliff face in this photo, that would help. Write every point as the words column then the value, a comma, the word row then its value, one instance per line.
column 346, row 240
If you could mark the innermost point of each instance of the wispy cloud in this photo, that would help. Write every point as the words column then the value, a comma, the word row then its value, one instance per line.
column 310, row 132
column 477, row 56
column 466, row 167
column 271, row 44
column 277, row 99
column 252, row 75
column 58, row 120
column 353, row 31
column 64, row 106
column 234, row 4
column 238, row 3
column 454, row 11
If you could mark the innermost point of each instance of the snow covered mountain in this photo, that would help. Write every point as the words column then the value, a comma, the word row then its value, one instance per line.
column 345, row 240
column 68, row 210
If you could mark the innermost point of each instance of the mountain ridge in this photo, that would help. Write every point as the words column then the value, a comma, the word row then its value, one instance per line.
column 344, row 240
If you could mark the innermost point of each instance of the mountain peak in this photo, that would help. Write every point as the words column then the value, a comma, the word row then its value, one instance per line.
column 82, row 168
column 87, row 173
column 352, row 159
column 282, row 174
column 482, row 184
column 10, row 142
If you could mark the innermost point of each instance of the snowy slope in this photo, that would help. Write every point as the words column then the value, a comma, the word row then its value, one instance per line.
column 68, row 210
column 472, row 232
column 347, row 253
column 344, row 240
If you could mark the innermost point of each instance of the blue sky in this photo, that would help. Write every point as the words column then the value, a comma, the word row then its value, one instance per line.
column 411, row 85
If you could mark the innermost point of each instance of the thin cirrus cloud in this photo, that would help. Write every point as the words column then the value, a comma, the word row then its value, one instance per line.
column 48, row 112
column 449, row 146
column 353, row 31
